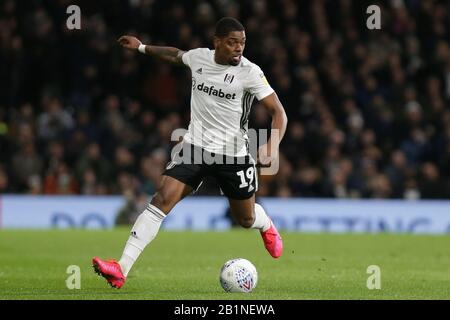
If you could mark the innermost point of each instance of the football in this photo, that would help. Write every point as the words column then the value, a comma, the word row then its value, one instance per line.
column 238, row 275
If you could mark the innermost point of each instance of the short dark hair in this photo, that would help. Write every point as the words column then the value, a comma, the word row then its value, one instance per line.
column 227, row 25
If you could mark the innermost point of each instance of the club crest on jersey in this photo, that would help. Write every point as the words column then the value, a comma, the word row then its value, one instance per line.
column 228, row 78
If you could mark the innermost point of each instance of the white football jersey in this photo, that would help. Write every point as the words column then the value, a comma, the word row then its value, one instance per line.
column 221, row 100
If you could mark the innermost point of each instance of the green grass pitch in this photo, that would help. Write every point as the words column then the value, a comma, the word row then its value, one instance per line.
column 185, row 265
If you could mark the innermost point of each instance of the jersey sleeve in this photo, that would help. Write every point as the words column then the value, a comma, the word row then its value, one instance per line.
column 190, row 55
column 257, row 83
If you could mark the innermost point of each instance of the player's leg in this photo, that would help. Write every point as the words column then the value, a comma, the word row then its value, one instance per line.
column 147, row 225
column 243, row 211
column 144, row 230
column 249, row 214
column 239, row 182
column 252, row 215
column 179, row 179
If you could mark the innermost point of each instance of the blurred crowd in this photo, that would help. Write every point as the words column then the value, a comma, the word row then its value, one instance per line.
column 369, row 110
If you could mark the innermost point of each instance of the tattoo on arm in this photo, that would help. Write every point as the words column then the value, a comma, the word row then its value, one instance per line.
column 169, row 54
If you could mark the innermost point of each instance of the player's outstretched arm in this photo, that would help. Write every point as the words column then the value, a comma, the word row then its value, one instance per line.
column 169, row 54
column 269, row 151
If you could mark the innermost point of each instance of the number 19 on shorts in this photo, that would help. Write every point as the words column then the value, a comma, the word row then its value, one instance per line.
column 248, row 177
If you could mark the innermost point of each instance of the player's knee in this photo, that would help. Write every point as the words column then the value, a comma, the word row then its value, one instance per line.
column 246, row 222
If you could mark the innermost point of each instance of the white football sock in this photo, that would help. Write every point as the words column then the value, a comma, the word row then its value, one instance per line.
column 143, row 232
column 262, row 221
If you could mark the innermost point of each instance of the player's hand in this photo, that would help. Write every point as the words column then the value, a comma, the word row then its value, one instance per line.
column 129, row 42
column 266, row 156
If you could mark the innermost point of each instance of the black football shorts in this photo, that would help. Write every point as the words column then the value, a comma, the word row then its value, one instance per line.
column 236, row 176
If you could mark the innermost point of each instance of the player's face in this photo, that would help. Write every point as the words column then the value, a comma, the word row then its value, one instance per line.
column 232, row 47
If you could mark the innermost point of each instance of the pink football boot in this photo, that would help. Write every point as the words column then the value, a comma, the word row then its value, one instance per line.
column 110, row 270
column 272, row 241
